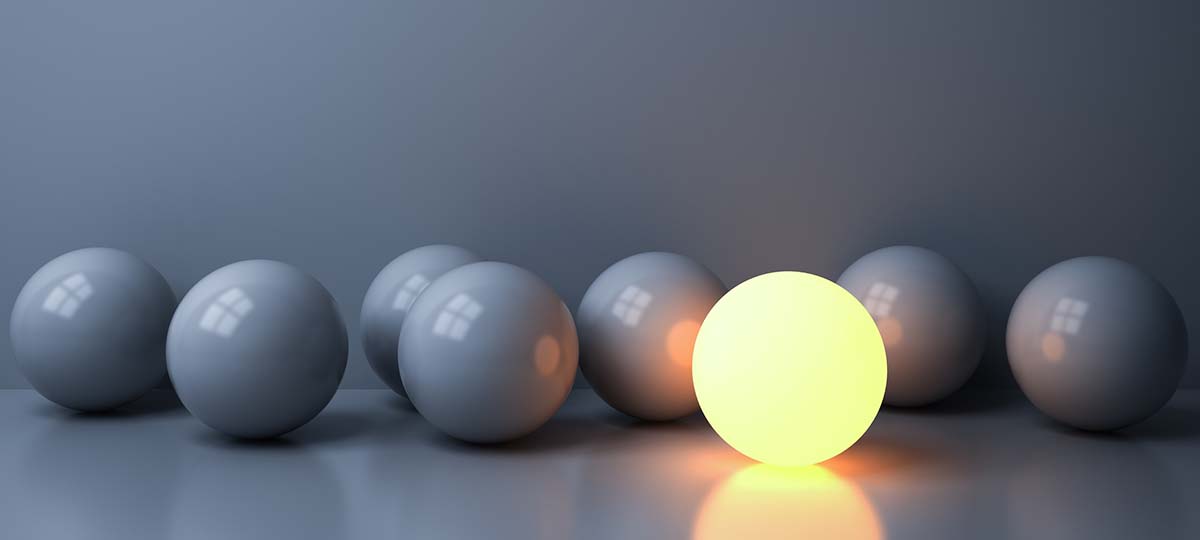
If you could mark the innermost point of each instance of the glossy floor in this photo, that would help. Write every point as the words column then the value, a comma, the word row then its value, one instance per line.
column 369, row 467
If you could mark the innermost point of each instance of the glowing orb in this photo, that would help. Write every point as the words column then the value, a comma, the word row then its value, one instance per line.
column 789, row 368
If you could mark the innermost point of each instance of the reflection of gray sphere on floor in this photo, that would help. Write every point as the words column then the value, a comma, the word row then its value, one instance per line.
column 488, row 352
column 235, row 492
column 89, row 329
column 637, row 327
column 391, row 295
column 88, row 477
column 930, row 317
column 1096, row 343
column 256, row 349
column 429, row 492
column 1068, row 487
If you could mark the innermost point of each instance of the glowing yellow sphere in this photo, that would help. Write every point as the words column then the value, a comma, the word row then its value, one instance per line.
column 789, row 368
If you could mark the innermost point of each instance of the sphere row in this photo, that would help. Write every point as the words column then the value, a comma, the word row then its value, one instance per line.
column 487, row 351
column 1093, row 342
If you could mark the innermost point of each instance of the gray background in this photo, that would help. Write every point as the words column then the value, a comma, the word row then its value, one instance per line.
column 562, row 136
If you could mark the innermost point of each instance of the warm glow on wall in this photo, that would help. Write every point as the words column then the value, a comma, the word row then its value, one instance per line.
column 789, row 368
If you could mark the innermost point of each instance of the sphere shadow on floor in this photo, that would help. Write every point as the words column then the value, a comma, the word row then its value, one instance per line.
column 398, row 403
column 1172, row 423
column 556, row 435
column 585, row 428
column 966, row 401
column 330, row 427
column 890, row 455
column 688, row 423
column 154, row 404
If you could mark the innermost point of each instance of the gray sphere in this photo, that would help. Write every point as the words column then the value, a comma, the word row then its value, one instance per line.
column 391, row 295
column 1096, row 343
column 256, row 349
column 930, row 316
column 89, row 329
column 488, row 352
column 637, row 327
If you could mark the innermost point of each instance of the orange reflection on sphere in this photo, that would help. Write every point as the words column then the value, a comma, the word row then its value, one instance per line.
column 890, row 330
column 546, row 355
column 1054, row 346
column 681, row 341
column 765, row 502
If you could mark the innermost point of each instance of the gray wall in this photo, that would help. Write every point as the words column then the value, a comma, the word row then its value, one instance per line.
column 563, row 135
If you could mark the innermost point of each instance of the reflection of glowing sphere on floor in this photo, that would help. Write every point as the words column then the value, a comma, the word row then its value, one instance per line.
column 765, row 502
column 789, row 368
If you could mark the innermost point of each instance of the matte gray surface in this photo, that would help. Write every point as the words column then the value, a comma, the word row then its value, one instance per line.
column 564, row 135
column 390, row 296
column 488, row 352
column 256, row 349
column 89, row 328
column 1097, row 343
column 930, row 316
column 637, row 326
column 370, row 467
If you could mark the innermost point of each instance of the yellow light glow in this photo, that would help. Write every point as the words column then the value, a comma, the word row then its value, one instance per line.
column 765, row 502
column 789, row 368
